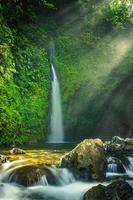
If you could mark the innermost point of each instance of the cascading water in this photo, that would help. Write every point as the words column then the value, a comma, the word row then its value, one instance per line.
column 115, row 167
column 129, row 169
column 68, row 187
column 112, row 166
column 56, row 120
column 62, row 175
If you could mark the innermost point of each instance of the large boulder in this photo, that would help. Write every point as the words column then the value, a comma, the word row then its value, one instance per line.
column 119, row 145
column 87, row 159
column 119, row 190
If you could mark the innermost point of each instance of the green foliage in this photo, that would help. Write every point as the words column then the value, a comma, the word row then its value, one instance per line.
column 32, row 78
column 24, row 91
column 16, row 12
column 119, row 12
column 46, row 3
column 10, row 116
column 24, row 82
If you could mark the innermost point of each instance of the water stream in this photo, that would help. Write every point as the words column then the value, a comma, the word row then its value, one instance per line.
column 68, row 188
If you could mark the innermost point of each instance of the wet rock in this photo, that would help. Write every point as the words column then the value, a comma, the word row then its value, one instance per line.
column 3, row 159
column 87, row 159
column 119, row 145
column 119, row 190
column 95, row 193
column 26, row 175
column 17, row 151
column 31, row 175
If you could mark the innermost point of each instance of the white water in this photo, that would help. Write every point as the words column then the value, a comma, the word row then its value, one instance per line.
column 63, row 176
column 112, row 167
column 129, row 169
column 56, row 121
column 9, row 167
column 74, row 191
column 69, row 188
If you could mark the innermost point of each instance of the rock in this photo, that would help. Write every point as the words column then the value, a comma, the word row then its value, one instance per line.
column 87, row 159
column 119, row 190
column 26, row 175
column 119, row 145
column 3, row 159
column 30, row 175
column 118, row 140
column 17, row 151
column 95, row 193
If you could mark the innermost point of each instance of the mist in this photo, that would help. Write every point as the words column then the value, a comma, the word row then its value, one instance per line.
column 101, row 62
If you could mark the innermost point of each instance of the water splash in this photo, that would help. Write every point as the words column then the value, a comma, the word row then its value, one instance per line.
column 62, row 175
column 9, row 167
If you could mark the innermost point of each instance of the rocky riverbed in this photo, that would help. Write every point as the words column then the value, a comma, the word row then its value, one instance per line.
column 91, row 162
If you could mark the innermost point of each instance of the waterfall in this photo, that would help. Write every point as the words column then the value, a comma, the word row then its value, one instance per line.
column 62, row 175
column 115, row 167
column 112, row 168
column 131, row 163
column 129, row 169
column 56, row 120
column 112, row 165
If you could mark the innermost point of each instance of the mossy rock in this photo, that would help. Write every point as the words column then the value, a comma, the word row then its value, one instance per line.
column 87, row 158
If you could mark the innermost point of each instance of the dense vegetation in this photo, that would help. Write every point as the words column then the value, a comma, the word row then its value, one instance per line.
column 94, row 58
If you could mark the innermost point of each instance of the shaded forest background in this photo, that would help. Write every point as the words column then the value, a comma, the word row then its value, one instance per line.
column 94, row 58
